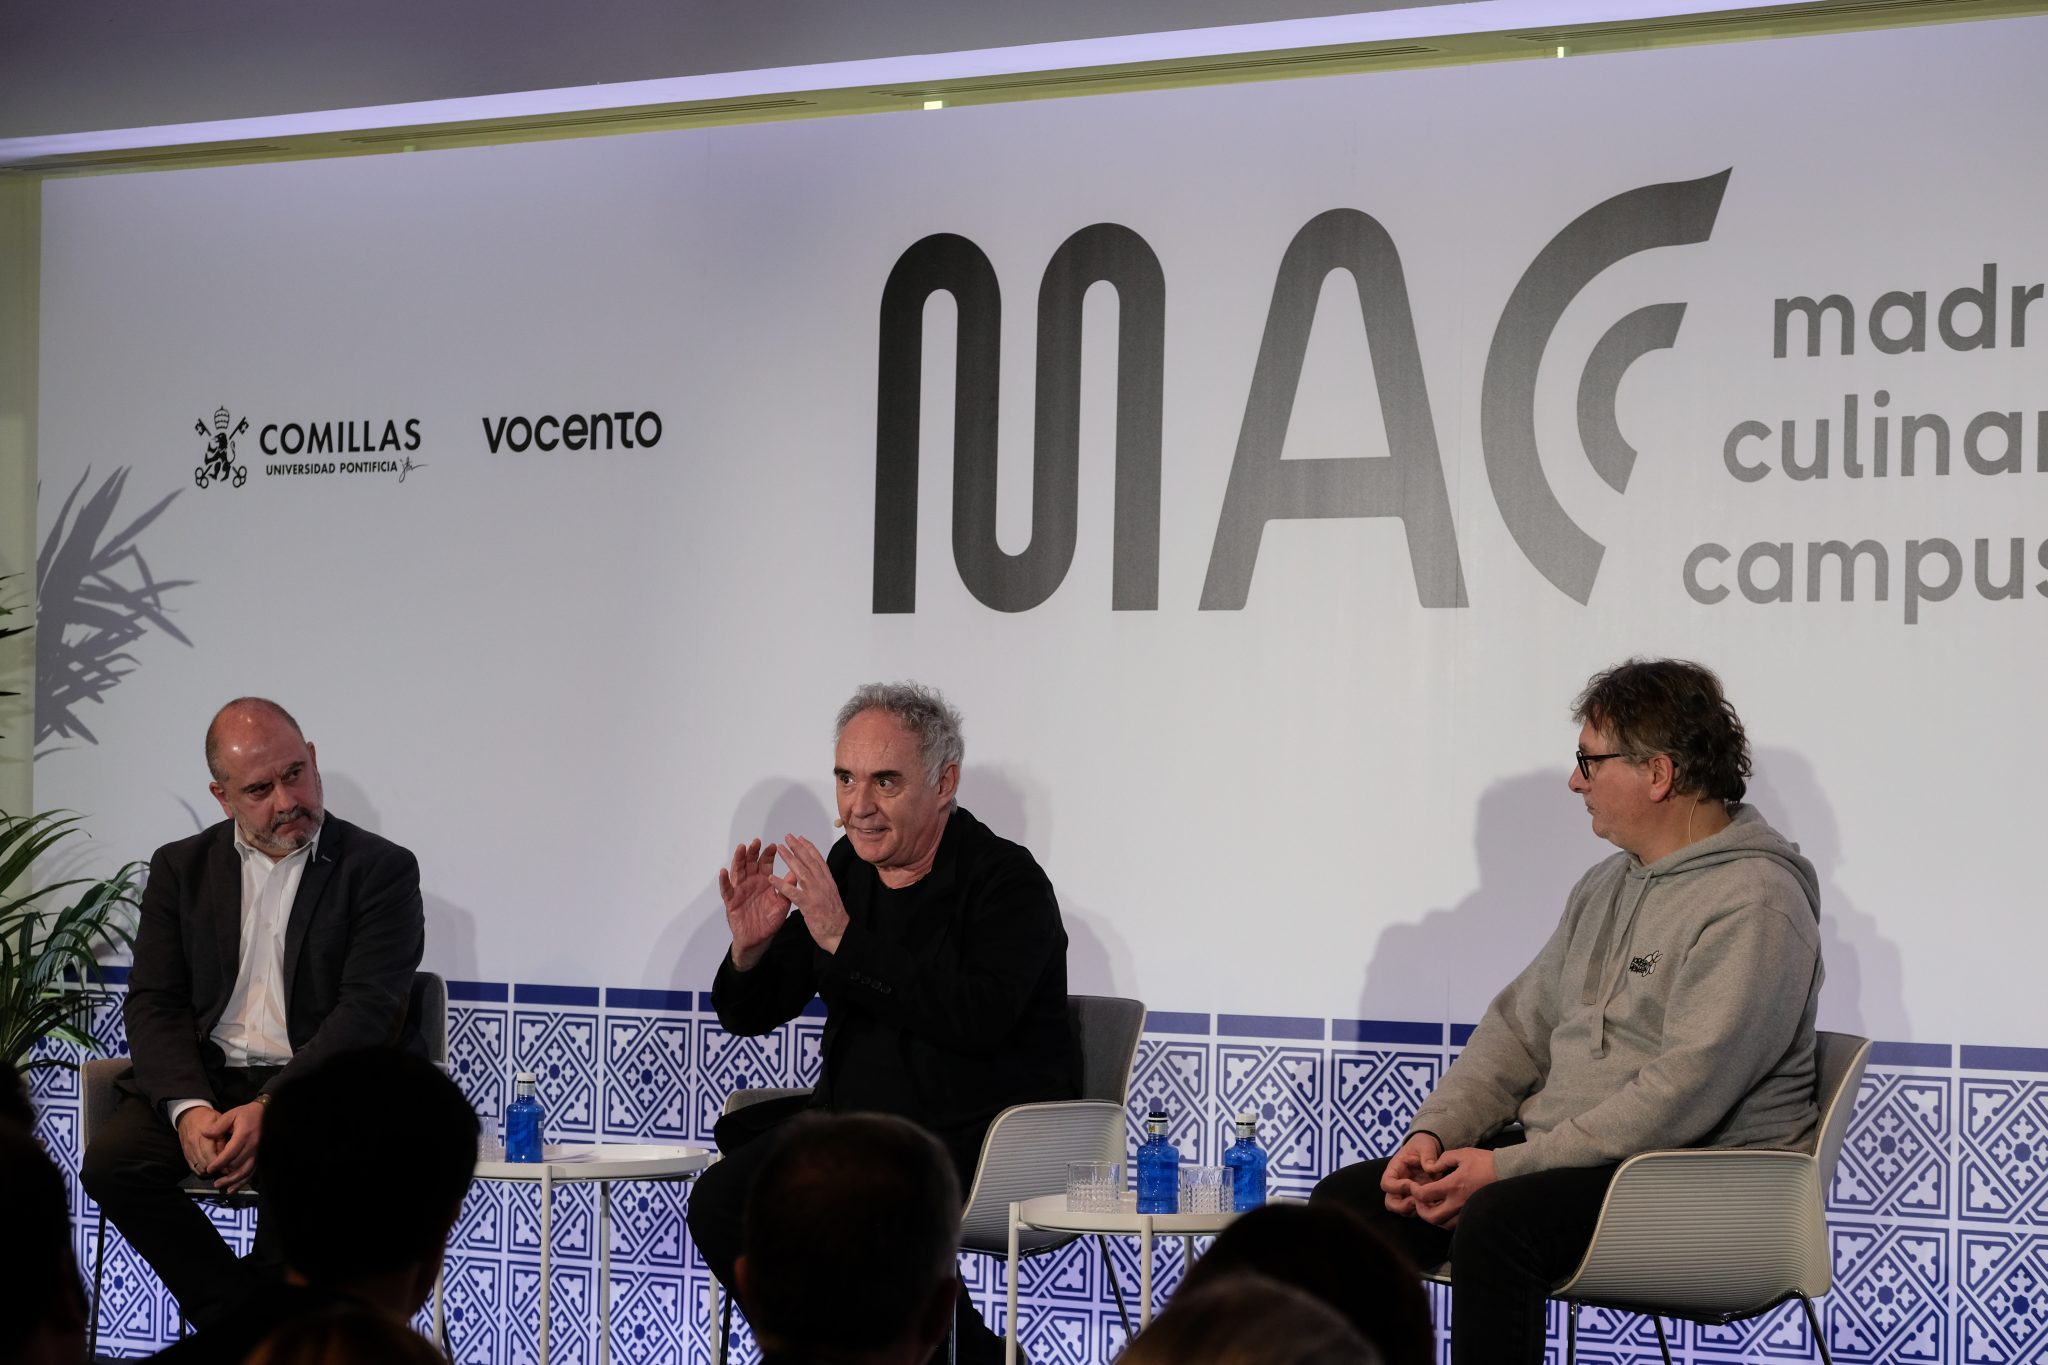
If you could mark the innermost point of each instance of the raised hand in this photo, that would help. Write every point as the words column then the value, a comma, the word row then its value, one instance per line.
column 754, row 906
column 810, row 888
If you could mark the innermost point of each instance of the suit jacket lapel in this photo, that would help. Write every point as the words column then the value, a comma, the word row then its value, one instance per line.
column 224, row 887
column 312, row 882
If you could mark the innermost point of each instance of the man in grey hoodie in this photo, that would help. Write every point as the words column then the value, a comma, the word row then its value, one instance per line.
column 1672, row 1007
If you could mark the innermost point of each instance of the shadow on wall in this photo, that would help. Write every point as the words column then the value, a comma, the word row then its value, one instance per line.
column 1864, row 990
column 685, row 957
column 1021, row 810
column 451, row 930
column 1533, row 845
column 95, row 597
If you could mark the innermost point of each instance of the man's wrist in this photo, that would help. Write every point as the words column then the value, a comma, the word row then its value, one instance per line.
column 176, row 1110
column 262, row 1098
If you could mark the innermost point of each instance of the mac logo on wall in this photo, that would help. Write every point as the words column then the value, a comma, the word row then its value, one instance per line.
column 1407, row 483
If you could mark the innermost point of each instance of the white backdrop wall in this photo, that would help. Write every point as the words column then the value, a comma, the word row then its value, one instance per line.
column 1308, row 772
column 569, row 679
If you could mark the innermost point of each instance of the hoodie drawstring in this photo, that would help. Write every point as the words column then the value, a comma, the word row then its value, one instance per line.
column 1610, row 958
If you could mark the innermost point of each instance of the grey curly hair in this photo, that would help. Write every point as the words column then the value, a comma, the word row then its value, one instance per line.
column 922, row 711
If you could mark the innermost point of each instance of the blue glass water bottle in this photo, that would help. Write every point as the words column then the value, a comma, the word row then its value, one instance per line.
column 523, row 1121
column 1158, row 1166
column 1247, row 1163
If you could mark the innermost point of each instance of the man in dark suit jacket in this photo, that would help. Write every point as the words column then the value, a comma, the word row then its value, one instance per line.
column 276, row 938
column 935, row 943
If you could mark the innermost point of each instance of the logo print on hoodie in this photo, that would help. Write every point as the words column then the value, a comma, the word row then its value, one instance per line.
column 1647, row 963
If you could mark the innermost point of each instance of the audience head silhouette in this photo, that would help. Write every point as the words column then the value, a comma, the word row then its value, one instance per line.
column 1247, row 1319
column 848, row 1245
column 346, row 1334
column 1329, row 1252
column 46, row 1318
column 364, row 1163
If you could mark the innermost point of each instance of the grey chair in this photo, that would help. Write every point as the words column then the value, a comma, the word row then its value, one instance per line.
column 1029, row 1145
column 1716, row 1236
column 425, row 1029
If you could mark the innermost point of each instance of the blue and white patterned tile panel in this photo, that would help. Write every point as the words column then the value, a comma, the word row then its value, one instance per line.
column 1897, row 1158
column 1892, row 1299
column 1174, row 1071
column 480, row 1047
column 2003, row 1178
column 1284, row 1086
column 555, row 1035
column 1939, row 1209
column 648, row 1080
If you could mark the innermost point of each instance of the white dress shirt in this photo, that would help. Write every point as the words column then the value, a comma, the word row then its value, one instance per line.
column 252, row 1030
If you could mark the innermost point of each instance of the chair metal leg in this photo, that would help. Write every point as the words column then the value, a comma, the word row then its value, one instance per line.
column 99, row 1260
column 1116, row 1286
column 1813, row 1321
column 1662, row 1344
column 1571, row 1333
column 724, row 1327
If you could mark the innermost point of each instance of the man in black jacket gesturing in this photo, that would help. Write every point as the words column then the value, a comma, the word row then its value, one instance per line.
column 936, row 945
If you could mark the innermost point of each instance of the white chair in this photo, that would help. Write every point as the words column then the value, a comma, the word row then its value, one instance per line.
column 426, row 1019
column 1716, row 1236
column 1029, row 1145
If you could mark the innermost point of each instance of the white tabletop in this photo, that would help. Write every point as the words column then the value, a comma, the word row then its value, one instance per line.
column 602, row 1161
column 1049, row 1213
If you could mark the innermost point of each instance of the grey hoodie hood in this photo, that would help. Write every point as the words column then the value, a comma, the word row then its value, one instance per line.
column 1673, row 1006
column 1747, row 835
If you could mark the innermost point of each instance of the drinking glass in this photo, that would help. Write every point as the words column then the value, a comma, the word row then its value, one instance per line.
column 1094, row 1186
column 1205, row 1189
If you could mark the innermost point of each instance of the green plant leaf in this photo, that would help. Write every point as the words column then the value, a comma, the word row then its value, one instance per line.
column 51, row 941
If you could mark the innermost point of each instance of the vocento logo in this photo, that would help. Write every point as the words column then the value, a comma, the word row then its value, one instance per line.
column 628, row 429
column 1407, row 484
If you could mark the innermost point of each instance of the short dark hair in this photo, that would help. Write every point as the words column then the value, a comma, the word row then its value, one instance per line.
column 1332, row 1254
column 324, row 1135
column 1244, row 1318
column 344, row 1334
column 852, row 1221
column 1676, row 708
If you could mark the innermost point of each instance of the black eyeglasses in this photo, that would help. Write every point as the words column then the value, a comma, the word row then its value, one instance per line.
column 1586, row 761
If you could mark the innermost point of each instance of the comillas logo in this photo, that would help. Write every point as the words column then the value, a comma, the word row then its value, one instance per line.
column 1407, row 484
column 310, row 449
column 217, row 460
column 368, row 437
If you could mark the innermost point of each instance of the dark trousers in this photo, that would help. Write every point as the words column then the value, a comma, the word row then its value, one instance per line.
column 1515, row 1239
column 133, row 1170
column 720, row 1195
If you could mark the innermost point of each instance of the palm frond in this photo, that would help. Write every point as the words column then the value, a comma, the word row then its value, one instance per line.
column 98, row 596
column 51, row 941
